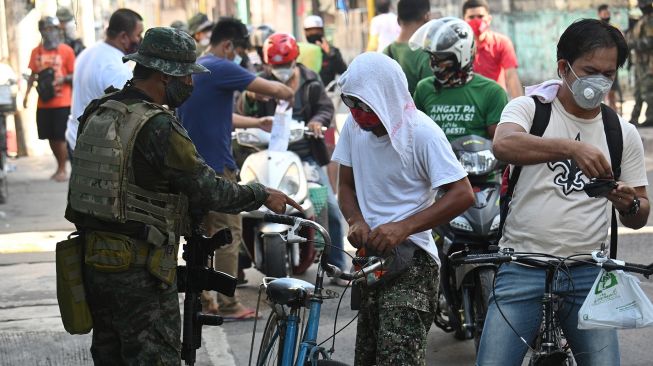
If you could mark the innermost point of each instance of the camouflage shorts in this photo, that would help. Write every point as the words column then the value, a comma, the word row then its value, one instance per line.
column 135, row 321
column 395, row 319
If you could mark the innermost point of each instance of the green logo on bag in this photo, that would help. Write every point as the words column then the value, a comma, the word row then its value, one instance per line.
column 607, row 281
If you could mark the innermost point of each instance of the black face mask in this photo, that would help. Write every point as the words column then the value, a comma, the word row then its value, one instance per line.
column 133, row 47
column 51, row 38
column 607, row 20
column 313, row 38
column 177, row 92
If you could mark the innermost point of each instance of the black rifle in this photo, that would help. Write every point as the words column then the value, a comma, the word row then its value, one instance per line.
column 196, row 276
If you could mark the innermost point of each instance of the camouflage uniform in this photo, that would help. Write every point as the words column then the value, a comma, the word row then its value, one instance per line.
column 641, row 42
column 136, row 317
column 395, row 319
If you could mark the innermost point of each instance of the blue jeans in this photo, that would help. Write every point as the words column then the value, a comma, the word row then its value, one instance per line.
column 519, row 292
column 336, row 253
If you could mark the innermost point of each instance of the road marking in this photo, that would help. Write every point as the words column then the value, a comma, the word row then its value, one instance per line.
column 217, row 346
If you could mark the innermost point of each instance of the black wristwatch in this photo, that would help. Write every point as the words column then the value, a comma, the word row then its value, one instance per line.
column 633, row 210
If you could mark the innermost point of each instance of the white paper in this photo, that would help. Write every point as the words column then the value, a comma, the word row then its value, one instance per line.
column 280, row 134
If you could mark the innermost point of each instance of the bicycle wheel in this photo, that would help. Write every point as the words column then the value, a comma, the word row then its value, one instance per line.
column 485, row 279
column 271, row 348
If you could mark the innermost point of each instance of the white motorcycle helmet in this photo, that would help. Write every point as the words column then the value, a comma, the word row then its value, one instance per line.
column 447, row 38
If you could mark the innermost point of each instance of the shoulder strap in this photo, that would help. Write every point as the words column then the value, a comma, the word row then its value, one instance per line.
column 540, row 123
column 614, row 137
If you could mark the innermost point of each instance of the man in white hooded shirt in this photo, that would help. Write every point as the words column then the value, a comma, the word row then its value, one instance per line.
column 393, row 159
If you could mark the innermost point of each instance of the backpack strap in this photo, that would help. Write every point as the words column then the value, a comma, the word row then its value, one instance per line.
column 540, row 122
column 614, row 137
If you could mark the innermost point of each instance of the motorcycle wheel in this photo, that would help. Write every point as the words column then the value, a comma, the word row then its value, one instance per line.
column 484, row 281
column 275, row 257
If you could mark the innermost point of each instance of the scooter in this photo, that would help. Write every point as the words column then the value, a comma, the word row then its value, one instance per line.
column 284, row 171
column 465, row 289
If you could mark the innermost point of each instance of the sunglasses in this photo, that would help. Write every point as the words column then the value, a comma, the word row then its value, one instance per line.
column 353, row 102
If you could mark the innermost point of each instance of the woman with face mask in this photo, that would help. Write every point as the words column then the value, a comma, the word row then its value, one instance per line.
column 311, row 105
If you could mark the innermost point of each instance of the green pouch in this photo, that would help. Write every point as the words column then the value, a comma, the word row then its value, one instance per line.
column 75, row 313
column 108, row 252
column 162, row 262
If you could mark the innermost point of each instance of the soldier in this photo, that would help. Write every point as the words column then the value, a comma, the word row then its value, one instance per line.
column 641, row 41
column 136, row 182
column 69, row 29
column 200, row 28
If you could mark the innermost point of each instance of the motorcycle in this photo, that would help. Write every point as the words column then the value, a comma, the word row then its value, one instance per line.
column 465, row 290
column 8, row 89
column 284, row 171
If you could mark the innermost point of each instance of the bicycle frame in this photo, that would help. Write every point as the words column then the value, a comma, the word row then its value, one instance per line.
column 287, row 325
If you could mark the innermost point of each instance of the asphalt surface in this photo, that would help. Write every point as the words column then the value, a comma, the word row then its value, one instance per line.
column 30, row 328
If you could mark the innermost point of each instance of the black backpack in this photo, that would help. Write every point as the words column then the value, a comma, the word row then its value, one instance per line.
column 612, row 128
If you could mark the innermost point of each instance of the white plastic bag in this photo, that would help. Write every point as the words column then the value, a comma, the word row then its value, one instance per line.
column 615, row 301
column 280, row 134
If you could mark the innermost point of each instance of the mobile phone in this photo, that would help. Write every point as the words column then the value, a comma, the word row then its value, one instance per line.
column 600, row 187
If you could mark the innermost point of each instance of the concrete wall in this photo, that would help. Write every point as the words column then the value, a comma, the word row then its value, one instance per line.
column 535, row 36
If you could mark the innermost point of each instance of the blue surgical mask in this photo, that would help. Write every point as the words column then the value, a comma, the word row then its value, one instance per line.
column 237, row 59
column 589, row 90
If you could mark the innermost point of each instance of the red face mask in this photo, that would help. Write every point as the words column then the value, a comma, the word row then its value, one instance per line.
column 478, row 26
column 366, row 120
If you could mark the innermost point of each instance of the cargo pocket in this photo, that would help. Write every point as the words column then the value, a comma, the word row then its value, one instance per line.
column 71, row 296
column 108, row 252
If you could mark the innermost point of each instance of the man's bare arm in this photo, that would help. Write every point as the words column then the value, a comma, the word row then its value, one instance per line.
column 513, row 145
column 513, row 84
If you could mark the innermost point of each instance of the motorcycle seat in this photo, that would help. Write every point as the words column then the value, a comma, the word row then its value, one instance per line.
column 289, row 291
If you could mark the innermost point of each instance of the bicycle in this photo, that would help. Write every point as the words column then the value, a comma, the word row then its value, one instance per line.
column 287, row 296
column 550, row 346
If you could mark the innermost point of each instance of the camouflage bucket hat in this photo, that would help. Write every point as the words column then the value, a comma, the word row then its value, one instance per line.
column 168, row 50
column 64, row 15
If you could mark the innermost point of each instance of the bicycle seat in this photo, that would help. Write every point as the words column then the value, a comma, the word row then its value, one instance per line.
column 289, row 291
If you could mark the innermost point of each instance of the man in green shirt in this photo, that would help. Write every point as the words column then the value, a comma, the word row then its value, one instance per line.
column 459, row 101
column 411, row 15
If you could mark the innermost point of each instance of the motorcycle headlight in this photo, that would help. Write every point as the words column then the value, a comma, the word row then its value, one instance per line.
column 478, row 162
column 248, row 176
column 461, row 223
column 248, row 138
column 290, row 182
column 495, row 223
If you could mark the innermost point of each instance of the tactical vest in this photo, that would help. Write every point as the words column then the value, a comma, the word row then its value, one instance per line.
column 102, row 185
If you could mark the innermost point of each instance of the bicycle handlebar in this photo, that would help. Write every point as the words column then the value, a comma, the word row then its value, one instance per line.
column 280, row 219
column 508, row 255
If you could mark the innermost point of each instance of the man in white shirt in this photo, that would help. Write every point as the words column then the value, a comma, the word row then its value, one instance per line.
column 384, row 28
column 388, row 184
column 100, row 66
column 550, row 212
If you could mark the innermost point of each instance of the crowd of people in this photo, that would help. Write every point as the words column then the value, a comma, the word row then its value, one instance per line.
column 151, row 154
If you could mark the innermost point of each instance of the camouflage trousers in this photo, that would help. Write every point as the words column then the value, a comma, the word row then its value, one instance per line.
column 135, row 321
column 395, row 318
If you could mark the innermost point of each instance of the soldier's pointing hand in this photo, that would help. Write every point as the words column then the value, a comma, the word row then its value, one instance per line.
column 278, row 200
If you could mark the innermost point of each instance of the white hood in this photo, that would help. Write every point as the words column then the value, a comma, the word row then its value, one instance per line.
column 379, row 82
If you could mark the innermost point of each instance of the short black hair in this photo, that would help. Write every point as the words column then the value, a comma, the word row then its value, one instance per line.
column 602, row 7
column 412, row 10
column 122, row 20
column 228, row 29
column 587, row 35
column 382, row 6
column 471, row 4
column 142, row 72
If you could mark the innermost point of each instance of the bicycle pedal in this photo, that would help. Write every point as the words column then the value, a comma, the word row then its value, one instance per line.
column 330, row 294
